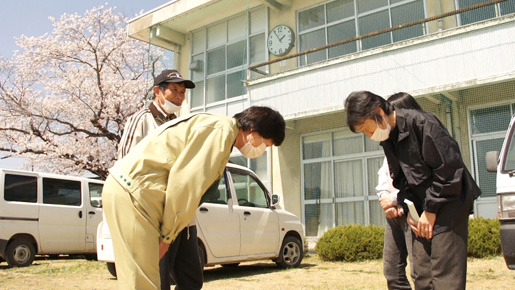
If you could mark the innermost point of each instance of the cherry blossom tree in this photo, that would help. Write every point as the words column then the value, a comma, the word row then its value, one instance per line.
column 65, row 97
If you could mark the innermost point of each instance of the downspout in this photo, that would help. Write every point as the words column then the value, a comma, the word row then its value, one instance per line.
column 449, row 119
column 438, row 12
column 177, row 57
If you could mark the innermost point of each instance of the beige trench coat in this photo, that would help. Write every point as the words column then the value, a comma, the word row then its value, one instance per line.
column 169, row 170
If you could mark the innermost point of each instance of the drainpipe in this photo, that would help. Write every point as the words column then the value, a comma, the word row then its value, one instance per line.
column 449, row 119
column 177, row 57
column 438, row 12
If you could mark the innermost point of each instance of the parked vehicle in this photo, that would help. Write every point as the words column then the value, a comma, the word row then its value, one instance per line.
column 49, row 214
column 241, row 221
column 504, row 164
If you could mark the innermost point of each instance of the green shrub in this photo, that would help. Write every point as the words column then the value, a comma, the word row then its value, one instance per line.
column 484, row 239
column 351, row 243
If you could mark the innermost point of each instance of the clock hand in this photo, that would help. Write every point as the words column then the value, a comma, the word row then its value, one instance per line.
column 280, row 39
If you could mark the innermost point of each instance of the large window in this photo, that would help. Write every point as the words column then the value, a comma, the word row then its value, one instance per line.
column 488, row 128
column 343, row 19
column 20, row 188
column 60, row 191
column 220, row 55
column 486, row 12
column 339, row 180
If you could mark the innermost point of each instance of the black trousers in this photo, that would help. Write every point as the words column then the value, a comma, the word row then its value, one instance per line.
column 181, row 262
column 441, row 263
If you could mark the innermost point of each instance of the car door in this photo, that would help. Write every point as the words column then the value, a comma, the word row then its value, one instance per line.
column 94, row 213
column 259, row 225
column 62, row 219
column 218, row 223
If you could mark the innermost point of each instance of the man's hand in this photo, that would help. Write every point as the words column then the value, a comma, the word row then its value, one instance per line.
column 163, row 248
column 386, row 202
column 392, row 212
column 425, row 225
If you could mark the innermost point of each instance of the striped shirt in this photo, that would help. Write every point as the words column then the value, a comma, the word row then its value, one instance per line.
column 139, row 125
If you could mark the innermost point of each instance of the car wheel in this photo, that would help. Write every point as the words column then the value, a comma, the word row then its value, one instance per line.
column 111, row 268
column 291, row 253
column 20, row 253
column 232, row 265
column 201, row 255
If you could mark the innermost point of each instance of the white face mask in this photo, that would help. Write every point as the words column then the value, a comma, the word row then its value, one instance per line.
column 249, row 151
column 168, row 106
column 381, row 134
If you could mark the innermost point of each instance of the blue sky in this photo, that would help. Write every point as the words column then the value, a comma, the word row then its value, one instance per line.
column 30, row 18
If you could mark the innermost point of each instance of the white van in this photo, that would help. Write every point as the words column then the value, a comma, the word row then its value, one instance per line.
column 48, row 214
column 504, row 164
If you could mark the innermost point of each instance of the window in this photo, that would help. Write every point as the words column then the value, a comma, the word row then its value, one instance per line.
column 509, row 159
column 488, row 128
column 339, row 179
column 60, row 191
column 343, row 19
column 216, row 193
column 95, row 194
column 249, row 191
column 221, row 53
column 20, row 188
column 258, row 165
column 487, row 12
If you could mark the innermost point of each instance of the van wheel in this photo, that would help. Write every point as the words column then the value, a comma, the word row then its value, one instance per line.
column 111, row 268
column 20, row 253
column 290, row 255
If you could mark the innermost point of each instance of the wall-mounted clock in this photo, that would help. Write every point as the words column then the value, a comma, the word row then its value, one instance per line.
column 280, row 40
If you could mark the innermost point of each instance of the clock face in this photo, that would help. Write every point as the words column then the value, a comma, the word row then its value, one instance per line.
column 280, row 40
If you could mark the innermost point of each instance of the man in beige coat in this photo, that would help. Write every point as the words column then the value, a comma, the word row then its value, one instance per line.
column 153, row 192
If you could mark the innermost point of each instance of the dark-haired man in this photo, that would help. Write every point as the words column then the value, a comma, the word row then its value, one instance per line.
column 426, row 166
column 152, row 194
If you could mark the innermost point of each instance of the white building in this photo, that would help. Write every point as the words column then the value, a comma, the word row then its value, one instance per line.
column 458, row 62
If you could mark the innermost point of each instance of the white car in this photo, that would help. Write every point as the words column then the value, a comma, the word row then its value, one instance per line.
column 240, row 221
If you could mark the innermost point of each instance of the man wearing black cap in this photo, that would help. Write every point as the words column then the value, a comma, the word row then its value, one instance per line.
column 179, row 262
column 169, row 93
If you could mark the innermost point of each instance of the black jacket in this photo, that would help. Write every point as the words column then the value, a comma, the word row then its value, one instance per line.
column 426, row 165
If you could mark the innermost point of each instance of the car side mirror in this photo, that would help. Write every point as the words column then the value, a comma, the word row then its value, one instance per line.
column 275, row 200
column 492, row 160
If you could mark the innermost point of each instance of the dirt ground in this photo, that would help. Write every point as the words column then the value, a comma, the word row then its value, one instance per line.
column 68, row 273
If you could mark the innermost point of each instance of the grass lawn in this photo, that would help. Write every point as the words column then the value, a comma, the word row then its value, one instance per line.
column 69, row 273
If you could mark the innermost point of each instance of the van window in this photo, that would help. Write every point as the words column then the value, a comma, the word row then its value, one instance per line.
column 59, row 191
column 95, row 194
column 20, row 188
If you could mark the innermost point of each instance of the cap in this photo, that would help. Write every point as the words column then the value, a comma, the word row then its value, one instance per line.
column 172, row 76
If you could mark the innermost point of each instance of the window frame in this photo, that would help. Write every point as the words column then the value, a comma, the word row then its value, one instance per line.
column 331, row 202
column 251, row 33
column 302, row 61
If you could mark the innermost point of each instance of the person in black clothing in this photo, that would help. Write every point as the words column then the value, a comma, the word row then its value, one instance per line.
column 426, row 166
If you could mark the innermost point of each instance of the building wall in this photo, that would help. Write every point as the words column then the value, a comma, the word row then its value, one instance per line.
column 450, row 71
